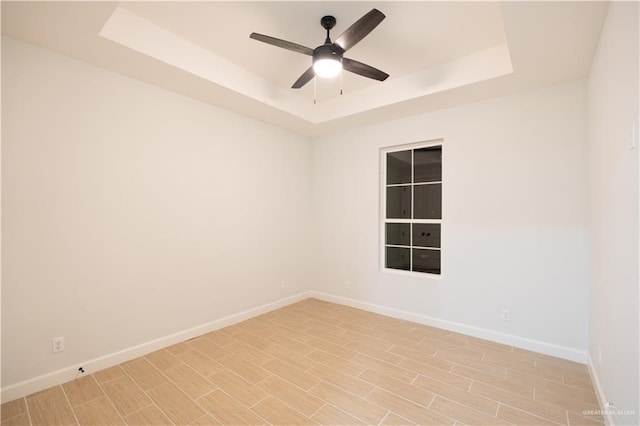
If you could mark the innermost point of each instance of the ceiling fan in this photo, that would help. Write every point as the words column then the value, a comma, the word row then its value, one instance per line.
column 328, row 59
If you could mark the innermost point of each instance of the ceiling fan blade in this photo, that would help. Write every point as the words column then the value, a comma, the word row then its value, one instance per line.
column 304, row 78
column 282, row 43
column 359, row 29
column 363, row 69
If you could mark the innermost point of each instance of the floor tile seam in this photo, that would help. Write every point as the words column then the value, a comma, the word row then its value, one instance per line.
column 73, row 407
column 581, row 369
column 147, row 395
column 26, row 411
column 366, row 338
column 458, row 363
column 269, row 395
column 376, row 357
column 587, row 406
column 252, row 364
column 291, row 383
column 324, row 404
column 468, row 407
column 470, row 385
column 180, row 361
column 418, row 375
column 207, row 411
column 246, row 357
column 224, row 345
column 521, row 409
column 327, row 341
column 382, row 419
column 425, row 406
column 283, row 378
column 564, row 382
column 398, row 415
column 292, row 350
column 572, row 388
column 66, row 397
column 201, row 353
column 485, row 382
column 249, row 408
column 109, row 399
column 542, row 417
column 393, row 365
column 195, row 401
column 14, row 416
column 444, row 415
column 109, row 380
column 205, row 378
column 350, row 393
column 433, row 398
column 479, row 371
column 253, row 385
column 13, row 402
column 40, row 393
column 570, row 395
column 515, row 370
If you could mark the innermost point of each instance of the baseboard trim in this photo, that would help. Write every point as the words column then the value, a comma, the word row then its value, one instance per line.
column 602, row 399
column 27, row 387
column 551, row 349
column 64, row 375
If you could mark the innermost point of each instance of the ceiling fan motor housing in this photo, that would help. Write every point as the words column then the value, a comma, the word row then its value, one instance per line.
column 328, row 51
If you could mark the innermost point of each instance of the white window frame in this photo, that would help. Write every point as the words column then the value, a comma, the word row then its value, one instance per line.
column 383, row 207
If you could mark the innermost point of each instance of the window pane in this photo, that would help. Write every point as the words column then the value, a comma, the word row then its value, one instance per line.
column 398, row 234
column 427, row 203
column 428, row 164
column 399, row 167
column 426, row 234
column 399, row 202
column 425, row 260
column 398, row 258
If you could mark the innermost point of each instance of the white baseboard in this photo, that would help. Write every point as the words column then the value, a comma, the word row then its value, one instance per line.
column 551, row 349
column 64, row 375
column 602, row 399
column 27, row 387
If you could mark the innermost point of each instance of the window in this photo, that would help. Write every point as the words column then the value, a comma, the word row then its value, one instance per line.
column 412, row 207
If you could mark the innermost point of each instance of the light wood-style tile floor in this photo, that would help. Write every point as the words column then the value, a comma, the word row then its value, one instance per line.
column 316, row 362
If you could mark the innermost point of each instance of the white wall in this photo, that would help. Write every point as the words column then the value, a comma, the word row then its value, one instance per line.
column 514, row 218
column 131, row 212
column 613, row 209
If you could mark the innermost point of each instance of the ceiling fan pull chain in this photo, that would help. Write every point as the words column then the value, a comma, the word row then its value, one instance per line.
column 341, row 74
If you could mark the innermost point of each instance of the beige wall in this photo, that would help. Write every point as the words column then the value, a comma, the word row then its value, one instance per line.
column 514, row 226
column 614, row 213
column 130, row 212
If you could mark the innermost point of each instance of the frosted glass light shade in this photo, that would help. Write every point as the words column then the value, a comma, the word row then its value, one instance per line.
column 327, row 68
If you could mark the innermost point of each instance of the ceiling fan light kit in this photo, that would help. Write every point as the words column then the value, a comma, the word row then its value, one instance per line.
column 328, row 60
column 327, row 67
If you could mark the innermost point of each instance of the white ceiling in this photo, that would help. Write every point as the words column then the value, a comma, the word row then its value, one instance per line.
column 438, row 54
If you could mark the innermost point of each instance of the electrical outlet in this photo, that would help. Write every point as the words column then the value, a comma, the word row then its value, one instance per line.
column 506, row 314
column 57, row 345
column 347, row 284
column 283, row 287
